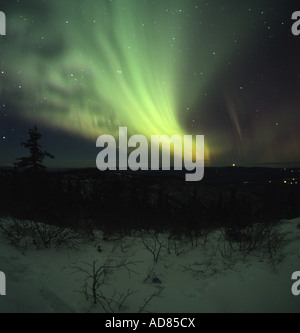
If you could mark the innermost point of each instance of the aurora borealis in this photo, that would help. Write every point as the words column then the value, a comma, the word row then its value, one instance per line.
column 228, row 70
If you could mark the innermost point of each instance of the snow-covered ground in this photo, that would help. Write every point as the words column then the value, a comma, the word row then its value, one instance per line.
column 198, row 281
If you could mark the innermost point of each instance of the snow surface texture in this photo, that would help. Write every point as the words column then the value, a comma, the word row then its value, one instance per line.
column 198, row 280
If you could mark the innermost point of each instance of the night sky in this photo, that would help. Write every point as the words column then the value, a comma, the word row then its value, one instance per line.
column 229, row 70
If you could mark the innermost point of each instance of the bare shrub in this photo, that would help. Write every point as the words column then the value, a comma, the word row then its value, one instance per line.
column 95, row 276
column 18, row 233
column 23, row 234
column 152, row 243
column 123, row 245
column 151, row 275
column 147, row 300
column 274, row 241
column 179, row 244
column 225, row 247
column 257, row 237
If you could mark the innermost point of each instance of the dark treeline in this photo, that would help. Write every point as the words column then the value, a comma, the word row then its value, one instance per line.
column 120, row 203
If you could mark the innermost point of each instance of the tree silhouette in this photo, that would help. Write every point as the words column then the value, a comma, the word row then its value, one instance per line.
column 34, row 162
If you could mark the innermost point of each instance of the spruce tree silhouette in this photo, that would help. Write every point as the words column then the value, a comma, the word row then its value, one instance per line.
column 34, row 162
column 34, row 182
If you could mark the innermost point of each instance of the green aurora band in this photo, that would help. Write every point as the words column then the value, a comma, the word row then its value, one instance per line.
column 105, row 64
column 127, row 55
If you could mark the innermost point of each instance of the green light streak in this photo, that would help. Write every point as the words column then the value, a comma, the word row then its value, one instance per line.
column 129, row 75
column 121, row 69
column 112, row 63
